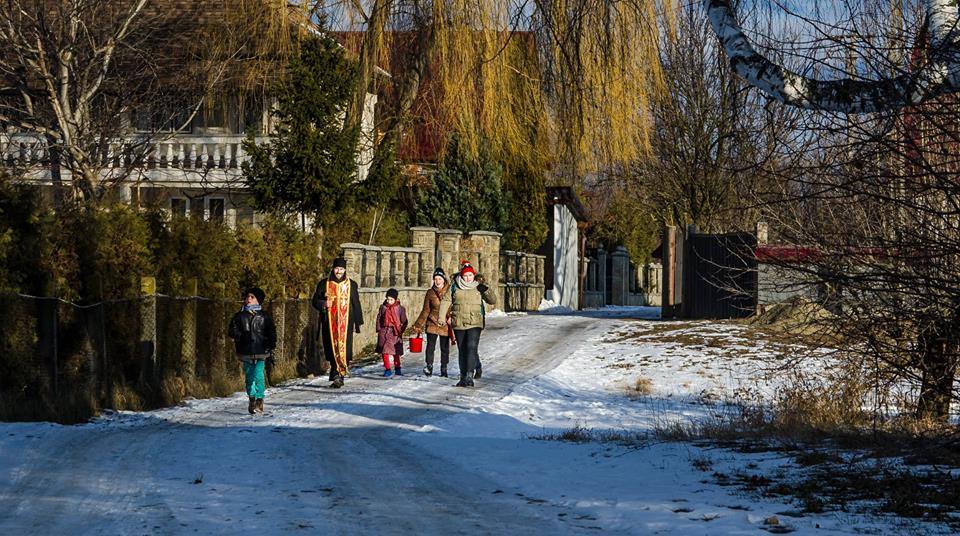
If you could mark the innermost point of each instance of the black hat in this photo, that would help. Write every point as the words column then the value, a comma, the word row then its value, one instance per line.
column 339, row 262
column 258, row 293
column 392, row 293
column 440, row 272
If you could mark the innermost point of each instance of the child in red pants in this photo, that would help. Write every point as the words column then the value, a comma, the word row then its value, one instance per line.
column 391, row 323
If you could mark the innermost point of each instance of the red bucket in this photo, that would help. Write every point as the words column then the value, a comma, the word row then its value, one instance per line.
column 416, row 344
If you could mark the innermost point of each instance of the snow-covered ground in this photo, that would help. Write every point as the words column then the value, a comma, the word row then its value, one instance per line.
column 415, row 454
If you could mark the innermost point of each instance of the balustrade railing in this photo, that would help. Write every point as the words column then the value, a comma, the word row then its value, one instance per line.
column 179, row 152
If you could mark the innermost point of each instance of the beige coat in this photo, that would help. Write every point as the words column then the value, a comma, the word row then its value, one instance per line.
column 465, row 306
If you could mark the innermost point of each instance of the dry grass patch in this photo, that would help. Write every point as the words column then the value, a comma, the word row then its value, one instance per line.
column 641, row 388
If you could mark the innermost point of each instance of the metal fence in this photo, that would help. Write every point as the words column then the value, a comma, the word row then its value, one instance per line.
column 64, row 361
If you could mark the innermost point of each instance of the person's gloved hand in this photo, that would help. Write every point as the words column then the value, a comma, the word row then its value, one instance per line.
column 482, row 288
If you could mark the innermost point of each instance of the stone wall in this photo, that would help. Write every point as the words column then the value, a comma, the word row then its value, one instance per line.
column 521, row 276
column 518, row 277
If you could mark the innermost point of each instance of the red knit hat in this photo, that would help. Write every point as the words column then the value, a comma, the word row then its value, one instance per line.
column 466, row 267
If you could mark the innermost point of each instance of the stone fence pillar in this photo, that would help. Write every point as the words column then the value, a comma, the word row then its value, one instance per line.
column 620, row 276
column 424, row 240
column 354, row 253
column 602, row 274
column 487, row 244
column 448, row 243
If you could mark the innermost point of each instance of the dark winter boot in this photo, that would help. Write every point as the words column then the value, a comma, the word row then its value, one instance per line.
column 443, row 371
column 398, row 371
column 259, row 408
column 337, row 382
column 476, row 374
column 468, row 382
column 462, row 382
column 252, row 406
column 428, row 370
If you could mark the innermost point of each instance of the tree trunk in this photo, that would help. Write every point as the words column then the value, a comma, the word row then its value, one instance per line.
column 938, row 366
column 369, row 58
column 56, row 177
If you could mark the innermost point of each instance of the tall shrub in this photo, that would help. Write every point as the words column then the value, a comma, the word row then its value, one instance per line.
column 311, row 160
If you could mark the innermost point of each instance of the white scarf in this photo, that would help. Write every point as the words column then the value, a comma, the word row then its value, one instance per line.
column 463, row 285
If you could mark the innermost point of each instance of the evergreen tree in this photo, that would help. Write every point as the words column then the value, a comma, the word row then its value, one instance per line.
column 310, row 164
column 527, row 215
column 467, row 193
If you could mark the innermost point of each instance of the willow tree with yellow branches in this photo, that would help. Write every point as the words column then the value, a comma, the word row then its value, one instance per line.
column 560, row 84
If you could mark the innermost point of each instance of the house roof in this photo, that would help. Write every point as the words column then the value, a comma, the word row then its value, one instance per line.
column 564, row 195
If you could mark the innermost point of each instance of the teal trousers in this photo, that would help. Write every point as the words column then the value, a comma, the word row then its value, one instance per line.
column 253, row 374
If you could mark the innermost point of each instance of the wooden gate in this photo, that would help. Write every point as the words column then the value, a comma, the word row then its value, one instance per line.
column 711, row 275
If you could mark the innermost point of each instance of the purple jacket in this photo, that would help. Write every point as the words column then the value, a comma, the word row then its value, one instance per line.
column 388, row 341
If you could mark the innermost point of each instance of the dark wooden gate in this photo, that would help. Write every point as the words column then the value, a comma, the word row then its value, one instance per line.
column 719, row 275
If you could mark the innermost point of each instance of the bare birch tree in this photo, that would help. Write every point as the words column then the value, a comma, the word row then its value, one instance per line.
column 72, row 73
column 869, row 212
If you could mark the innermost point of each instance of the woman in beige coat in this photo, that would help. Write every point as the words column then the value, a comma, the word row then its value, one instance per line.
column 465, row 306
column 434, row 324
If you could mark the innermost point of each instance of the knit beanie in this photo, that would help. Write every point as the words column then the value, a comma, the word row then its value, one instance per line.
column 258, row 293
column 340, row 262
column 465, row 267
column 440, row 272
column 392, row 293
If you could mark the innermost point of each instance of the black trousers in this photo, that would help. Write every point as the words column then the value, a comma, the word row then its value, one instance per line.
column 432, row 346
column 468, row 340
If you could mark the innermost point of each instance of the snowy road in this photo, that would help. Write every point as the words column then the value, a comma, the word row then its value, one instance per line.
column 321, row 459
column 417, row 455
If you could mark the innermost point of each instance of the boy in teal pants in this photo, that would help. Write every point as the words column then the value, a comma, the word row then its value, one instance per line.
column 254, row 336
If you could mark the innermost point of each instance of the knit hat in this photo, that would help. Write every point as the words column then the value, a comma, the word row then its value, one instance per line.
column 392, row 293
column 440, row 272
column 258, row 293
column 465, row 267
column 340, row 262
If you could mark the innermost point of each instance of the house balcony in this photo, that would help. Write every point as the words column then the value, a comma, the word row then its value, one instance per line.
column 173, row 161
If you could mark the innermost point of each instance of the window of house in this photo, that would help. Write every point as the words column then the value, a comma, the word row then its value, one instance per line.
column 197, row 209
column 250, row 115
column 178, row 206
column 212, row 115
column 217, row 209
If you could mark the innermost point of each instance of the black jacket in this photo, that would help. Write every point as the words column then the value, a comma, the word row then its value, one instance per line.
column 253, row 333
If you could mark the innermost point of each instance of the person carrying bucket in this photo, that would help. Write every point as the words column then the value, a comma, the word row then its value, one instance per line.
column 391, row 323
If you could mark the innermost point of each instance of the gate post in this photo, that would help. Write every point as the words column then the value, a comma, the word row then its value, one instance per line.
column 148, row 330
column 188, row 335
column 669, row 262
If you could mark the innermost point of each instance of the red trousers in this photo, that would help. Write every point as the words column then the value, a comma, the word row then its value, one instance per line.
column 386, row 361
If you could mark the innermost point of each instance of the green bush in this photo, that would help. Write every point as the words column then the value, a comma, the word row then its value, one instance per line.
column 91, row 255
